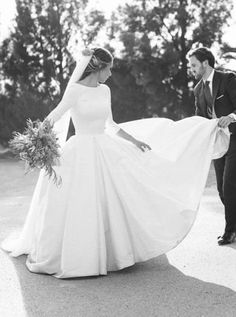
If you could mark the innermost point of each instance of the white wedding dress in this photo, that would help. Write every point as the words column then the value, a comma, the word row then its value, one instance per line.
column 116, row 205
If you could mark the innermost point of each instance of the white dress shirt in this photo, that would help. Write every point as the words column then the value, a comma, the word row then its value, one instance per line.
column 210, row 79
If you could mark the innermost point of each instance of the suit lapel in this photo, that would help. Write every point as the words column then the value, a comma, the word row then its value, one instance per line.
column 215, row 85
column 200, row 94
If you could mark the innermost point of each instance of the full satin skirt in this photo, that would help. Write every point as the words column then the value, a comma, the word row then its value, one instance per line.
column 117, row 205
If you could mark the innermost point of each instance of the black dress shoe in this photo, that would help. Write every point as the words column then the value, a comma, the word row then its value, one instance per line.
column 227, row 238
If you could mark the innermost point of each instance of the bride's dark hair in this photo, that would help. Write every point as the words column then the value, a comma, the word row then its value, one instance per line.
column 100, row 59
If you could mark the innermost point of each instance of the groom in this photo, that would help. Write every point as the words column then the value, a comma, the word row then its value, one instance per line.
column 215, row 97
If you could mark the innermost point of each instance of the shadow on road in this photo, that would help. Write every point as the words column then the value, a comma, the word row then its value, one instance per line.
column 152, row 288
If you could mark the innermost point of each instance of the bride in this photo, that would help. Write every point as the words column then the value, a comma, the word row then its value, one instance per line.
column 122, row 200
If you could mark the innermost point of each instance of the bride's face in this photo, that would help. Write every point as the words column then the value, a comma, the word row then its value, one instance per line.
column 105, row 73
column 198, row 68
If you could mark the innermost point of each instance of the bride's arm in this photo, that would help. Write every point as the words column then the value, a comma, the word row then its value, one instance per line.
column 65, row 104
column 111, row 124
column 141, row 145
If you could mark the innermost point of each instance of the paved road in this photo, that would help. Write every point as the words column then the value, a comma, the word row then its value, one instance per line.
column 198, row 278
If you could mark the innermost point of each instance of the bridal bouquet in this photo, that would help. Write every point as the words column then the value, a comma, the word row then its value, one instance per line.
column 38, row 146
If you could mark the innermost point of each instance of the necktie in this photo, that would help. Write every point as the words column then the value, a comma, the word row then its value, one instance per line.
column 208, row 98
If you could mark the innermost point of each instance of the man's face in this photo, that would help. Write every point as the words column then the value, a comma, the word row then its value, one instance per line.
column 197, row 68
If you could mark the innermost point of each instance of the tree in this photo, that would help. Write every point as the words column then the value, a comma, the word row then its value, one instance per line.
column 157, row 36
column 36, row 58
column 38, row 49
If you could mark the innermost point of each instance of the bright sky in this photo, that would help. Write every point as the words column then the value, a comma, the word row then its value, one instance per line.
column 7, row 10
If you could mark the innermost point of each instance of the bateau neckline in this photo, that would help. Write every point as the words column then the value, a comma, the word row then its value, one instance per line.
column 88, row 86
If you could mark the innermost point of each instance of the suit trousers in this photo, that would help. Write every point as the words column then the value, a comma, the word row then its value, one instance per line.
column 225, row 169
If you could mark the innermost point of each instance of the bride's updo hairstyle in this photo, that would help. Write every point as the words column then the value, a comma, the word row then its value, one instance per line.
column 100, row 59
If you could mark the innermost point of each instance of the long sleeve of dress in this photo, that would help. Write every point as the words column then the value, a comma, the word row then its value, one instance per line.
column 69, row 99
column 111, row 125
column 67, row 102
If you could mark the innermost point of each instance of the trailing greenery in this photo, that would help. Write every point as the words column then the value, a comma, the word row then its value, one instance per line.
column 38, row 147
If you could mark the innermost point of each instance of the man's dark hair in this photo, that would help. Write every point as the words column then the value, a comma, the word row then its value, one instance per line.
column 203, row 54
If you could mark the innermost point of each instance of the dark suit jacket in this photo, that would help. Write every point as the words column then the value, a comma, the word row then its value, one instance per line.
column 224, row 96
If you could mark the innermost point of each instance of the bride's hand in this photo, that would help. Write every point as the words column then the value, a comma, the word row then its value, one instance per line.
column 142, row 146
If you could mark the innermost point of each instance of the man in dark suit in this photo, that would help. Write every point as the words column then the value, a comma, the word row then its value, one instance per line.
column 215, row 97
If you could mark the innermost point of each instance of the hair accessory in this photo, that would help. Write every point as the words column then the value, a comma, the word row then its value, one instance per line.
column 96, row 61
column 87, row 52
